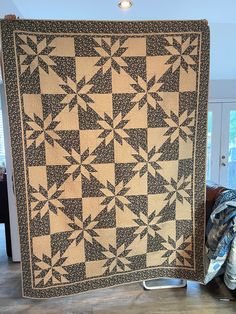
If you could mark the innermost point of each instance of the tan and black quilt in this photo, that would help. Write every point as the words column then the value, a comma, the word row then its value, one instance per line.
column 108, row 136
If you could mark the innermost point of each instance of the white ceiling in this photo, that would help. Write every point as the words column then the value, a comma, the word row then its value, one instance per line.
column 220, row 14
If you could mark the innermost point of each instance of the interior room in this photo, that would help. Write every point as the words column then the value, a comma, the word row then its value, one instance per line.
column 117, row 156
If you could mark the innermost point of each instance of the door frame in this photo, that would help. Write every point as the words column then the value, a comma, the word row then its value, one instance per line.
column 220, row 138
column 228, row 107
column 216, row 108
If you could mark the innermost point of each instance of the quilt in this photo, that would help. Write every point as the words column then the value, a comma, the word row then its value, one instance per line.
column 108, row 125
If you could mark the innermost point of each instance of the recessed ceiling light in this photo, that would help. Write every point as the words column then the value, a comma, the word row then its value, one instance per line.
column 125, row 4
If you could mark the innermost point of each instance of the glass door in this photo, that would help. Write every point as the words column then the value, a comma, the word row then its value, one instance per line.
column 209, row 145
column 213, row 142
column 221, row 144
column 228, row 146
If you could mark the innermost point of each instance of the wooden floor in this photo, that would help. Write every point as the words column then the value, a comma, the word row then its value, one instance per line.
column 124, row 299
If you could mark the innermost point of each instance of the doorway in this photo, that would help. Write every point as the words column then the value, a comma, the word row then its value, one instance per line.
column 221, row 148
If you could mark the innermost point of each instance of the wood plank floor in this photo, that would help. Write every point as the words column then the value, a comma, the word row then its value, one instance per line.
column 126, row 299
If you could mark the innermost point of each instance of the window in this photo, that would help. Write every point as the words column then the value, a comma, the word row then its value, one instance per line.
column 209, row 147
column 221, row 148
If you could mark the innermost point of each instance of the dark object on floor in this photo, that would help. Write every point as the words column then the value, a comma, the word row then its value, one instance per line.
column 218, row 290
column 4, row 213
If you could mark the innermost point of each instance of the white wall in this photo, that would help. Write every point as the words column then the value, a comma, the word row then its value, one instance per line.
column 215, row 11
column 8, row 7
column 223, row 51
column 222, row 89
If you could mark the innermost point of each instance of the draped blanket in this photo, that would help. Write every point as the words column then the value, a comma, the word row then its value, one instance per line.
column 108, row 137
column 221, row 240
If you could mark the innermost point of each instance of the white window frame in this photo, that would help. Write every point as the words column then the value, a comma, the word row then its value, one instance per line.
column 220, row 138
